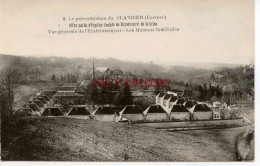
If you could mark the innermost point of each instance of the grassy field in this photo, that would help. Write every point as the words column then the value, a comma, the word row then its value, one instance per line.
column 60, row 139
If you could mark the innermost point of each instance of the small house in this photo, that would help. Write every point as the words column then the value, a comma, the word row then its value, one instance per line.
column 52, row 111
column 179, row 112
column 132, row 113
column 105, row 113
column 33, row 106
column 159, row 98
column 171, row 101
column 189, row 104
column 201, row 112
column 155, row 113
column 38, row 102
column 79, row 111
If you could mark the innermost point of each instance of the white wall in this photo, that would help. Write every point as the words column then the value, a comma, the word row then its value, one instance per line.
column 202, row 115
column 156, row 116
column 133, row 117
column 79, row 116
column 105, row 118
column 180, row 116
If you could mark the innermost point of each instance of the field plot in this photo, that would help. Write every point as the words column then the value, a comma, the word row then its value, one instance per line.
column 60, row 139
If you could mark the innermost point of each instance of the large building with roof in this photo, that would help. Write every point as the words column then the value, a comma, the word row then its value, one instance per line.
column 105, row 113
column 132, row 113
column 155, row 113
column 68, row 97
column 201, row 112
column 179, row 112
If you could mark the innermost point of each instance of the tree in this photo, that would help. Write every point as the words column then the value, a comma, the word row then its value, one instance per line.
column 53, row 77
column 9, row 81
column 127, row 97
column 119, row 97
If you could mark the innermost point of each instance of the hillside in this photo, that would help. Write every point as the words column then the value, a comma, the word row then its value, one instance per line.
column 60, row 139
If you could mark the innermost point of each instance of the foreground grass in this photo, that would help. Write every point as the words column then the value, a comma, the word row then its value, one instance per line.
column 65, row 139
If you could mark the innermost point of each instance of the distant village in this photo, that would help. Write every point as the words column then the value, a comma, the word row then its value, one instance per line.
column 70, row 100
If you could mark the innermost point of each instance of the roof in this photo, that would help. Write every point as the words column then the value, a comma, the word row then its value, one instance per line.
column 189, row 103
column 52, row 111
column 173, row 98
column 45, row 97
column 33, row 106
column 67, row 88
column 132, row 109
column 141, row 93
column 167, row 96
column 200, row 108
column 38, row 102
column 24, row 111
column 69, row 84
column 155, row 109
column 161, row 94
column 66, row 93
column 104, row 110
column 80, row 89
column 180, row 101
column 102, row 69
column 179, row 108
column 117, row 72
column 79, row 111
column 42, row 100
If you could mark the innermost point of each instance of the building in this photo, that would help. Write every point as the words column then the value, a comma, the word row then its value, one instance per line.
column 159, row 98
column 179, row 112
column 38, row 102
column 103, row 69
column 165, row 99
column 189, row 104
column 69, row 98
column 171, row 102
column 179, row 101
column 79, row 111
column 155, row 113
column 52, row 111
column 201, row 112
column 105, row 113
column 147, row 95
column 132, row 113
column 33, row 106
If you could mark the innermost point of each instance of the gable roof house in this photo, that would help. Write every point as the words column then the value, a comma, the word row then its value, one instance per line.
column 155, row 113
column 201, row 112
column 24, row 112
column 103, row 69
column 52, row 111
column 171, row 101
column 79, row 111
column 38, row 102
column 33, row 106
column 132, row 113
column 179, row 112
column 159, row 98
column 69, row 97
column 105, row 113
column 189, row 103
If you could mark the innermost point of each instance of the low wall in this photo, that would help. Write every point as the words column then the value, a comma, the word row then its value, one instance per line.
column 202, row 115
column 133, row 117
column 156, row 116
column 79, row 116
column 180, row 116
column 105, row 117
column 198, row 123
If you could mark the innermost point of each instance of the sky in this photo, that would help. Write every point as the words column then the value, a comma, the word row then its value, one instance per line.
column 219, row 31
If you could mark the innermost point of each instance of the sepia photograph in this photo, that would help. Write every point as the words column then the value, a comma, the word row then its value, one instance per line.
column 127, row 81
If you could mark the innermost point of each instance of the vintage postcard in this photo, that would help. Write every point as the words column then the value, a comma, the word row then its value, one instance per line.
column 127, row 80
